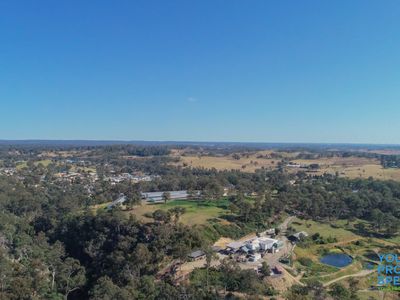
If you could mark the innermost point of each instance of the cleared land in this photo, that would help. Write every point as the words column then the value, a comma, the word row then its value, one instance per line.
column 247, row 162
column 45, row 163
column 23, row 164
column 351, row 167
column 228, row 163
column 324, row 229
column 197, row 212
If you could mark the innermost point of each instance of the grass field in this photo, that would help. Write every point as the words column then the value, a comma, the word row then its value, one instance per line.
column 44, row 162
column 85, row 169
column 395, row 240
column 351, row 167
column 20, row 165
column 324, row 229
column 347, row 242
column 377, row 295
column 23, row 164
column 246, row 164
column 197, row 212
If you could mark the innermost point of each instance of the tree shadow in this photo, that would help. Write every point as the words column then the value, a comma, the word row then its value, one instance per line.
column 364, row 231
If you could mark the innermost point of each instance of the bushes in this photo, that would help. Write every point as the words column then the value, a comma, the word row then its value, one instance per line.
column 208, row 233
column 233, row 278
column 317, row 239
column 231, row 231
column 305, row 261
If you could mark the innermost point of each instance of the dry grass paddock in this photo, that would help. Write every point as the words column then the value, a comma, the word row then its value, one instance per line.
column 351, row 167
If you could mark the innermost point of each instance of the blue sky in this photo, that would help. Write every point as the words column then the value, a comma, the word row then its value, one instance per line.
column 265, row 71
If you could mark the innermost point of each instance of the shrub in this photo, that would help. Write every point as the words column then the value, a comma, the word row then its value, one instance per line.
column 305, row 261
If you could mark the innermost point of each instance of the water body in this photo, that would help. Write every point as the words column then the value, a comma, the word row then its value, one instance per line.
column 336, row 260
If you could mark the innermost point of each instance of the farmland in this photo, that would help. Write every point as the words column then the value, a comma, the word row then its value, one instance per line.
column 350, row 167
column 245, row 163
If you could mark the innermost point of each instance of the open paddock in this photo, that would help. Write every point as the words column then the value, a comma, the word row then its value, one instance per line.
column 351, row 167
column 197, row 212
column 246, row 164
column 244, row 161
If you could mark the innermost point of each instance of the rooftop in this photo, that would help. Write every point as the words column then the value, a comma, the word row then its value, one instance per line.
column 196, row 254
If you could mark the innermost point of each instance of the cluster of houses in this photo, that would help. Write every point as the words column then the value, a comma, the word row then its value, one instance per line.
column 8, row 171
column 247, row 251
column 71, row 176
column 313, row 167
column 296, row 165
column 252, row 250
column 114, row 179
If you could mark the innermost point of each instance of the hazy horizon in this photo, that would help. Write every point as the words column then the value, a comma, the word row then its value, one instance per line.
column 183, row 142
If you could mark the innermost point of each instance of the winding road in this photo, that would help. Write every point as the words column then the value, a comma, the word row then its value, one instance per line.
column 361, row 273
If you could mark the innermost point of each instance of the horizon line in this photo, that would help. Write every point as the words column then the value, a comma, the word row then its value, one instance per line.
column 116, row 141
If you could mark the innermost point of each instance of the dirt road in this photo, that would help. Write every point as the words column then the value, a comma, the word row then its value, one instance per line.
column 362, row 273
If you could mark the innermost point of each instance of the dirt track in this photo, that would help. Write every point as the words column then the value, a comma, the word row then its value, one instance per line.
column 362, row 273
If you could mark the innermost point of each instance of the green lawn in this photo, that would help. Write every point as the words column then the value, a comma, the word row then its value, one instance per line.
column 324, row 229
column 44, row 162
column 395, row 239
column 75, row 168
column 197, row 212
column 353, row 268
column 23, row 164
column 20, row 165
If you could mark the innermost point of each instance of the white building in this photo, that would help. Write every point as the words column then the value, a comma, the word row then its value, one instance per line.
column 155, row 197
column 253, row 244
column 255, row 257
column 234, row 246
column 267, row 243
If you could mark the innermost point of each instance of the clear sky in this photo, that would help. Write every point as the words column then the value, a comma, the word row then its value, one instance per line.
column 265, row 71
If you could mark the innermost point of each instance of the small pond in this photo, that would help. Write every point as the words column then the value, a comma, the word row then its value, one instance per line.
column 336, row 260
